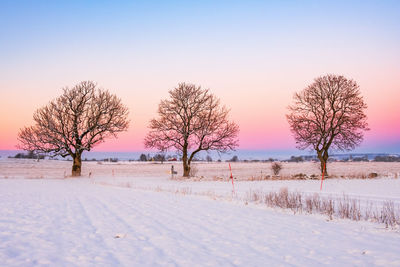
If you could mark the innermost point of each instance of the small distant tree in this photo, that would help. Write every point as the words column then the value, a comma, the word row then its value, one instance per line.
column 78, row 120
column 234, row 159
column 209, row 158
column 327, row 114
column 296, row 159
column 276, row 167
column 143, row 157
column 191, row 120
column 159, row 157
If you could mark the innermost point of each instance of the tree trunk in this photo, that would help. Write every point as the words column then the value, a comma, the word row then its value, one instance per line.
column 186, row 164
column 186, row 169
column 76, row 165
column 323, row 158
column 323, row 166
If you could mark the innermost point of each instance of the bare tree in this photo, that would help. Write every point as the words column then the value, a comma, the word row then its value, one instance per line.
column 79, row 119
column 328, row 114
column 190, row 121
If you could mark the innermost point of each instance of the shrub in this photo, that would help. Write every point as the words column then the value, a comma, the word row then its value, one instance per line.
column 276, row 167
column 300, row 176
column 234, row 159
column 372, row 175
column 296, row 159
column 159, row 157
column 143, row 157
column 30, row 155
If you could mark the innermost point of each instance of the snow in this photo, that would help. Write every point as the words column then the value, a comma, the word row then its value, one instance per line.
column 28, row 168
column 134, row 220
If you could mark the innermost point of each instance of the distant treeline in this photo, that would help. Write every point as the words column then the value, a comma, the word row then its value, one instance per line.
column 379, row 158
column 160, row 157
column 387, row 159
column 29, row 155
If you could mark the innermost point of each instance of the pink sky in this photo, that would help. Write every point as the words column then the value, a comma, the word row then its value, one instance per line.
column 252, row 55
column 259, row 107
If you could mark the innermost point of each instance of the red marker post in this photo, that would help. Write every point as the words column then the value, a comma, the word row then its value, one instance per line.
column 233, row 186
column 322, row 178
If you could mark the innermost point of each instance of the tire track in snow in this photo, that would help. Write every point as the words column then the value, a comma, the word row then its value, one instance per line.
column 182, row 244
column 235, row 242
column 92, row 233
column 109, row 221
column 311, row 245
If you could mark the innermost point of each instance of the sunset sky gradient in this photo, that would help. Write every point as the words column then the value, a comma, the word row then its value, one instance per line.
column 252, row 54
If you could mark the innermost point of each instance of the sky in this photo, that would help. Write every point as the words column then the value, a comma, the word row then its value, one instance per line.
column 253, row 55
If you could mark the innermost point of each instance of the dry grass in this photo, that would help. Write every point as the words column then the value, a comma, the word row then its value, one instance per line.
column 184, row 191
column 193, row 170
column 389, row 216
column 343, row 208
column 303, row 176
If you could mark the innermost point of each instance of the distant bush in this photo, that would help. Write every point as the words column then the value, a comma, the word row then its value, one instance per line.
column 159, row 157
column 234, row 159
column 372, row 175
column 296, row 159
column 300, row 176
column 86, row 159
column 143, row 157
column 361, row 159
column 276, row 167
column 30, row 155
column 387, row 159
column 209, row 158
column 110, row 160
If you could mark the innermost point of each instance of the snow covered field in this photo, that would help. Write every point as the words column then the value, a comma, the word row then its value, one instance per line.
column 28, row 168
column 131, row 215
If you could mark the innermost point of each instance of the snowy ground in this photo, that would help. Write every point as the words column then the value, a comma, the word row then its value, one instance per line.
column 130, row 220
